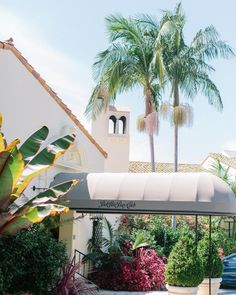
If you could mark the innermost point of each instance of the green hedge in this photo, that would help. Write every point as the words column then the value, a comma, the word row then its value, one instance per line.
column 184, row 268
column 30, row 262
column 216, row 266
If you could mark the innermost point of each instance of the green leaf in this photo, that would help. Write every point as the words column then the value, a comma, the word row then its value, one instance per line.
column 43, row 160
column 31, row 146
column 33, row 215
column 52, row 194
column 11, row 167
column 3, row 143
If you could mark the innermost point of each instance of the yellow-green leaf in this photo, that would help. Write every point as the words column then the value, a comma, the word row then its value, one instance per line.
column 43, row 160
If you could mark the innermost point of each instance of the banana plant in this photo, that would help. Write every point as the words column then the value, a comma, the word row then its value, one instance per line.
column 18, row 167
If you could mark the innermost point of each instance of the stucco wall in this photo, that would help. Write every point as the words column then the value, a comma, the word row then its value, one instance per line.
column 26, row 106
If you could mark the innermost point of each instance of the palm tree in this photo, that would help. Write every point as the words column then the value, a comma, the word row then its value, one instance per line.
column 186, row 68
column 127, row 63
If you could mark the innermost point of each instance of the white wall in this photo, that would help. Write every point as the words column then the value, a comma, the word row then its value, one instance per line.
column 116, row 145
column 26, row 106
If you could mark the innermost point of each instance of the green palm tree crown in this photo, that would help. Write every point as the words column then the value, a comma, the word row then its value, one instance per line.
column 186, row 67
column 126, row 64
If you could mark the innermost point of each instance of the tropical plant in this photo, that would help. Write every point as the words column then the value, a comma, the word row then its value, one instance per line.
column 222, row 171
column 126, row 64
column 30, row 261
column 186, row 67
column 18, row 167
column 144, row 272
column 187, row 70
column 70, row 283
column 211, row 261
column 139, row 270
column 184, row 267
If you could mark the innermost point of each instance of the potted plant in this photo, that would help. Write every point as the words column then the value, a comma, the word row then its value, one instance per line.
column 212, row 269
column 184, row 270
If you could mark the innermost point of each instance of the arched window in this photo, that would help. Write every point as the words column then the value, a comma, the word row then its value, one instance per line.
column 112, row 125
column 122, row 125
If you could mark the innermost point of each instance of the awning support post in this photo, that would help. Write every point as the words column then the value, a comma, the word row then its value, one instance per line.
column 196, row 232
column 210, row 255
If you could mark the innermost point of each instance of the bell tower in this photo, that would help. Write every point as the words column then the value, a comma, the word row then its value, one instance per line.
column 111, row 131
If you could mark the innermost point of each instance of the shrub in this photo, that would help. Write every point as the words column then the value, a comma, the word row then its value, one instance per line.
column 215, row 268
column 1, row 283
column 184, row 268
column 30, row 261
column 144, row 271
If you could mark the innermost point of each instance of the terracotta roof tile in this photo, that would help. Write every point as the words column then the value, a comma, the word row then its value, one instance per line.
column 23, row 60
column 230, row 161
column 142, row 167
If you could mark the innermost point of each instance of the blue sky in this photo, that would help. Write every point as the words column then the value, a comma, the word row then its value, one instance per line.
column 60, row 38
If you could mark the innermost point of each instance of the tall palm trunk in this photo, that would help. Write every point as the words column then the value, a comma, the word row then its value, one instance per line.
column 151, row 142
column 148, row 110
column 176, row 133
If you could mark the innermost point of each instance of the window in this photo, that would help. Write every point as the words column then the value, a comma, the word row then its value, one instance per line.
column 122, row 125
column 112, row 125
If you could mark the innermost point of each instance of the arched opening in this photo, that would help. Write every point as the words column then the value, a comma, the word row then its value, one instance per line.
column 122, row 125
column 112, row 125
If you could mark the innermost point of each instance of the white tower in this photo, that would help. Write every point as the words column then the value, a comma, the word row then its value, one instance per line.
column 111, row 131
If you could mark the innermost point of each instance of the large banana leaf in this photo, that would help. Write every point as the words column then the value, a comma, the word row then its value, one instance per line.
column 32, row 145
column 11, row 167
column 43, row 160
column 2, row 139
column 33, row 215
column 12, row 145
column 4, row 219
column 2, row 142
column 50, row 195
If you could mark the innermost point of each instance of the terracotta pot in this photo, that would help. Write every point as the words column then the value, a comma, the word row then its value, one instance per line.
column 204, row 286
column 174, row 290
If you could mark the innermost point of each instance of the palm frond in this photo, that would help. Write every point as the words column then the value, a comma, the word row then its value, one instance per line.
column 207, row 44
column 219, row 170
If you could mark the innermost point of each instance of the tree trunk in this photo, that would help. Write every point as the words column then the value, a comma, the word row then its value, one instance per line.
column 175, row 104
column 148, row 110
column 176, row 148
column 173, row 220
column 151, row 142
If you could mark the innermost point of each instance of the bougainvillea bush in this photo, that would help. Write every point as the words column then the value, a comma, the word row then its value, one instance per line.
column 143, row 271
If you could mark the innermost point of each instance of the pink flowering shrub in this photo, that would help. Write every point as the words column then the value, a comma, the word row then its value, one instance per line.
column 143, row 271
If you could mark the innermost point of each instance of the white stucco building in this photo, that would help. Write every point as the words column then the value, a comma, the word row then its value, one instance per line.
column 27, row 103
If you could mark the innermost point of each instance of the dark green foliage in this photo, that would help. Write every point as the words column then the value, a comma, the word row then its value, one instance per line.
column 30, row 261
column 184, row 267
column 213, row 268
column 1, row 283
column 165, row 236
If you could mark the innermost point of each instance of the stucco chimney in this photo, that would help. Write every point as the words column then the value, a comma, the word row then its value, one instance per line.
column 111, row 131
